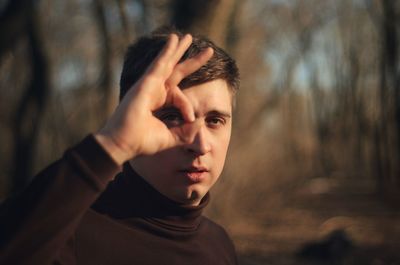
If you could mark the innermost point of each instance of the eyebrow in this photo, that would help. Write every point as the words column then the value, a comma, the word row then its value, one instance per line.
column 220, row 113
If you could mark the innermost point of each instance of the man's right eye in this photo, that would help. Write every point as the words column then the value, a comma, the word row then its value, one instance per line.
column 172, row 119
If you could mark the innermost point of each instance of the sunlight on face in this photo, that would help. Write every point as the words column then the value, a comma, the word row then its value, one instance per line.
column 186, row 172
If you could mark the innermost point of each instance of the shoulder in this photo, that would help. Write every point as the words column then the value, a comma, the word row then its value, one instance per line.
column 218, row 234
column 215, row 227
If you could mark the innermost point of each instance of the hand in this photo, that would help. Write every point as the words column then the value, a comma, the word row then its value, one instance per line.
column 133, row 129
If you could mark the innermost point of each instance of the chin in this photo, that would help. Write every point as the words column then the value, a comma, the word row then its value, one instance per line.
column 192, row 197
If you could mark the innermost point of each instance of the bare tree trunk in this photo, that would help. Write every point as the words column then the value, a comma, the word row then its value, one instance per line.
column 31, row 108
column 389, row 146
column 128, row 31
column 13, row 23
column 208, row 17
column 105, row 80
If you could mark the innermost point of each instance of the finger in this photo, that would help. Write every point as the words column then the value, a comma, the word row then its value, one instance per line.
column 161, row 61
column 183, row 45
column 189, row 66
column 179, row 100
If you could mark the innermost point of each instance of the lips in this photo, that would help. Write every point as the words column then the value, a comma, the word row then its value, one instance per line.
column 195, row 174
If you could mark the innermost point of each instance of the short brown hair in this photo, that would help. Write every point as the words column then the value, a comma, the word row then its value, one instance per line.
column 140, row 55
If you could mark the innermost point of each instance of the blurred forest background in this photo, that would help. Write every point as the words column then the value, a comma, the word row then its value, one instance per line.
column 313, row 174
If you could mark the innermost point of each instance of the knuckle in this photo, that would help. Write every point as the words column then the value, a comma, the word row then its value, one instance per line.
column 169, row 83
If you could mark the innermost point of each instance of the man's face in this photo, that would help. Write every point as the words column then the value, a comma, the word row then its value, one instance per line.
column 186, row 172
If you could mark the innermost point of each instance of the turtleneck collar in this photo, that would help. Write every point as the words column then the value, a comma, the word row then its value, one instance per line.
column 129, row 196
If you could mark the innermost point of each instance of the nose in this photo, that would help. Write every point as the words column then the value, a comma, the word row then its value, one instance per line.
column 196, row 139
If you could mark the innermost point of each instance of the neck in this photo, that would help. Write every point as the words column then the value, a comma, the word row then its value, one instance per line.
column 130, row 196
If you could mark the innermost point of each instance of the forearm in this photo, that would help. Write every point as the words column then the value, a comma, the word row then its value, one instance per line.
column 38, row 223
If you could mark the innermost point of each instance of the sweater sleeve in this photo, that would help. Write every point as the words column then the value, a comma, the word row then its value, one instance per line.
column 37, row 223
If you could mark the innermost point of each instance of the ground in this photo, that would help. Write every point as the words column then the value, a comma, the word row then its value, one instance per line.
column 324, row 221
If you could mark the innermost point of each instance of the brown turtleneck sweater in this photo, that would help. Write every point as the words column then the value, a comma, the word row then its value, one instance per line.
column 51, row 222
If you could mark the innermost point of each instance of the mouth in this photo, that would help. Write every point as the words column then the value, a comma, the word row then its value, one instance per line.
column 195, row 174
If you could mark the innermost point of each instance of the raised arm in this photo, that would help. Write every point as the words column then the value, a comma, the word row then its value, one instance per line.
column 37, row 224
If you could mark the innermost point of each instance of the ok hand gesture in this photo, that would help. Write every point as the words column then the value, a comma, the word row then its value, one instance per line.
column 133, row 129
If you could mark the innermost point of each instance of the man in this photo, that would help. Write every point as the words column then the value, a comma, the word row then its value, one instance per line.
column 170, row 133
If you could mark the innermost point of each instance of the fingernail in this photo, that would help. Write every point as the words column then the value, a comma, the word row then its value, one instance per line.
column 192, row 118
column 188, row 36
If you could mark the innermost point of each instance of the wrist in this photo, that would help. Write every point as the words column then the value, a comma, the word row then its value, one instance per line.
column 114, row 150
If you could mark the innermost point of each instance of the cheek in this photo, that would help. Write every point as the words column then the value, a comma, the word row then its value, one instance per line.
column 223, row 142
column 221, row 150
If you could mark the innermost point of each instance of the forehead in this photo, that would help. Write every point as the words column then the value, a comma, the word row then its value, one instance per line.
column 212, row 95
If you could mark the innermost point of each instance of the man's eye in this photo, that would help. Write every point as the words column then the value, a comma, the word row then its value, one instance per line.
column 215, row 121
column 172, row 119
